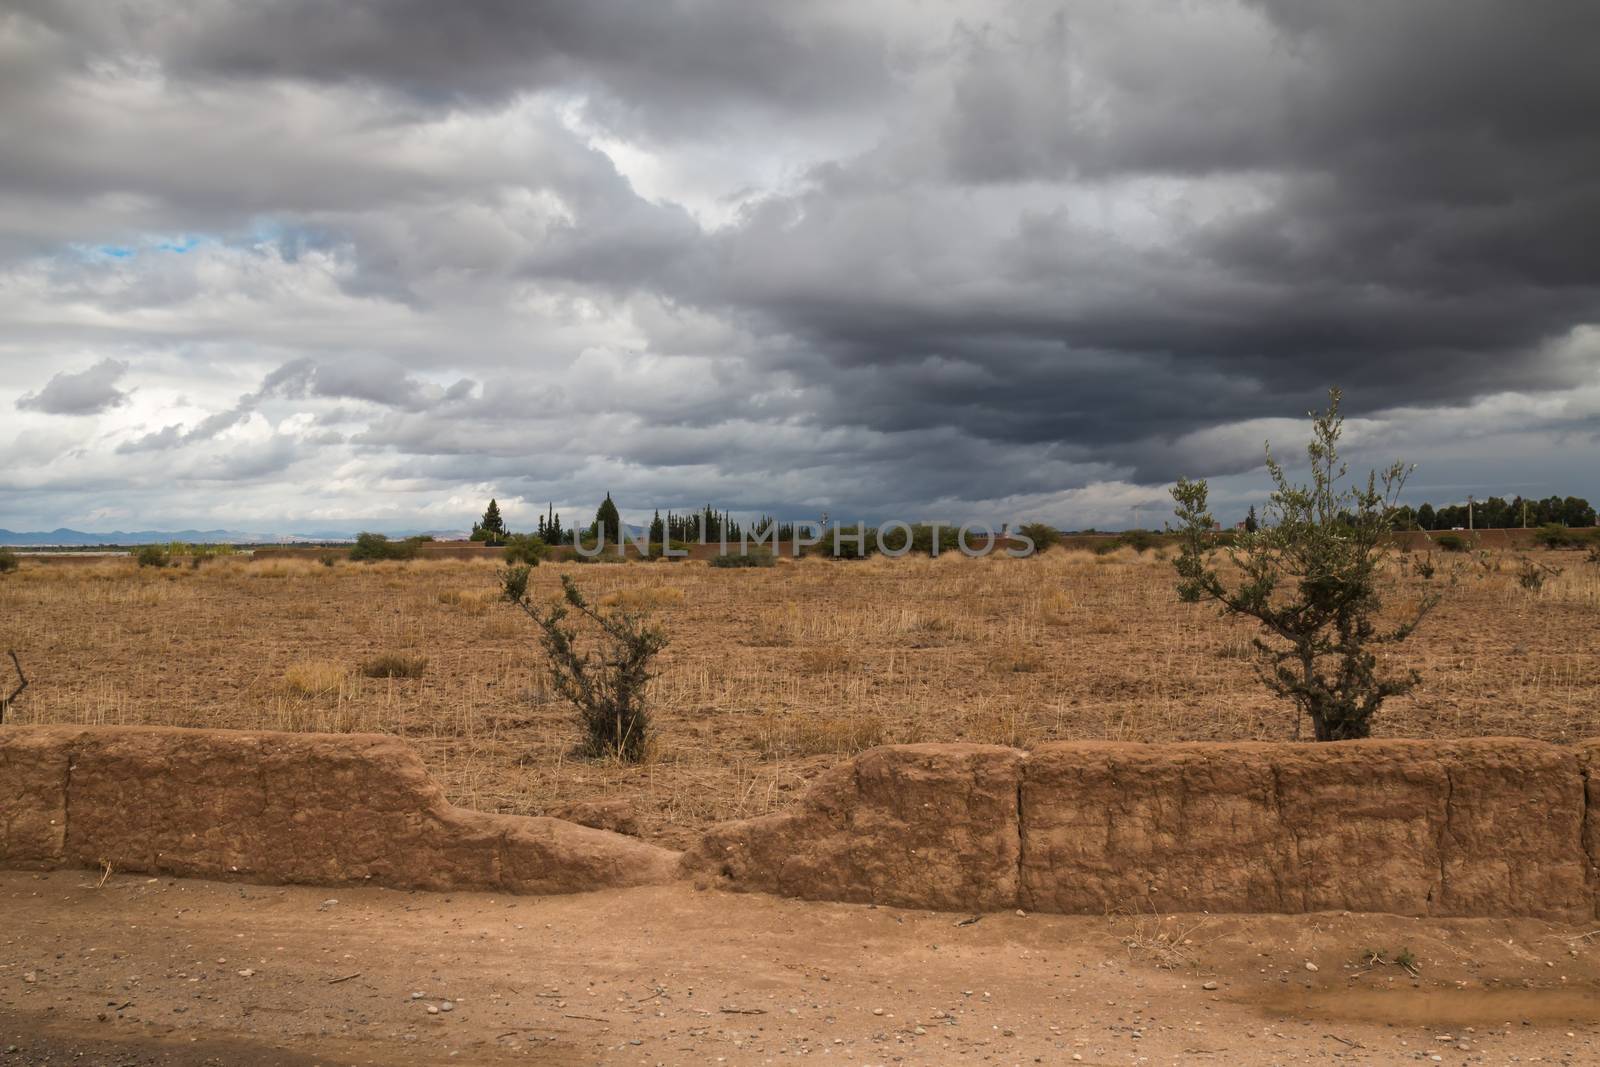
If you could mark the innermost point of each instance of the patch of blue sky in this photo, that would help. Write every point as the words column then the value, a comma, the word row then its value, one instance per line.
column 174, row 245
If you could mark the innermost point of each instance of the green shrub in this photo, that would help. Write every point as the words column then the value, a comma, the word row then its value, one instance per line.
column 375, row 546
column 1451, row 542
column 1042, row 534
column 744, row 559
column 1553, row 536
column 1312, row 578
column 608, row 690
column 1141, row 541
column 151, row 556
column 525, row 548
column 846, row 548
column 8, row 561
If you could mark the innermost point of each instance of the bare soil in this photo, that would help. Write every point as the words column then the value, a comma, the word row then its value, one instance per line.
column 175, row 972
column 772, row 673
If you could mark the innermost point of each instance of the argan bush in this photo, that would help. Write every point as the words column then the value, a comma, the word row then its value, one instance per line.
column 375, row 546
column 8, row 561
column 607, row 689
column 1141, row 541
column 1554, row 536
column 152, row 556
column 525, row 548
column 1451, row 542
column 1312, row 577
column 1042, row 534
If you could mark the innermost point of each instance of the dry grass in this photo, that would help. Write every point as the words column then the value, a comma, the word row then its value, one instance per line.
column 317, row 678
column 395, row 665
column 773, row 673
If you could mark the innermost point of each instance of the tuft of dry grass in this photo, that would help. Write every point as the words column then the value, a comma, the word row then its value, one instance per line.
column 316, row 678
column 644, row 598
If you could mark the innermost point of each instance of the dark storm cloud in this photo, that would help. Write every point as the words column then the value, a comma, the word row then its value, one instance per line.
column 672, row 63
column 765, row 251
column 1415, row 188
column 85, row 392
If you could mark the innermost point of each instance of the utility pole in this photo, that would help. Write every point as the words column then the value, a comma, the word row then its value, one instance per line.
column 1470, row 527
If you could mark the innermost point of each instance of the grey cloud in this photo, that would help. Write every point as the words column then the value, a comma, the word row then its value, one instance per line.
column 373, row 379
column 996, row 251
column 85, row 392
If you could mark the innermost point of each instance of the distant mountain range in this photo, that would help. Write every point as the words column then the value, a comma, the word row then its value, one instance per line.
column 65, row 537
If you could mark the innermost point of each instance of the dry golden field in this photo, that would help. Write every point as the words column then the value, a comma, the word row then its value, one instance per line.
column 772, row 673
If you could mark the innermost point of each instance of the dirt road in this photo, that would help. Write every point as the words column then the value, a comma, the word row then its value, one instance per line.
column 142, row 971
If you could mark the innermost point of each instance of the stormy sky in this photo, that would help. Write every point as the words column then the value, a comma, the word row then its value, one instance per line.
column 278, row 264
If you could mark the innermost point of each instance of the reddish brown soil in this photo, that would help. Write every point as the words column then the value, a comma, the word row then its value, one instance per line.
column 159, row 971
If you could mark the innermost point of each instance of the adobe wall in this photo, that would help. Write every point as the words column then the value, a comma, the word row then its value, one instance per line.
column 1483, row 827
column 325, row 809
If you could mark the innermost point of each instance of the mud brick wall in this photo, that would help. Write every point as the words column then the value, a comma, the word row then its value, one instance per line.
column 1485, row 827
column 324, row 809
column 1494, row 826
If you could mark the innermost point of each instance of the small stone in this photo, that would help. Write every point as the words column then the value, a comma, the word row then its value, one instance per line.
column 1310, row 966
column 1209, row 986
column 433, row 1009
column 447, row 1006
column 877, row 1011
column 247, row 972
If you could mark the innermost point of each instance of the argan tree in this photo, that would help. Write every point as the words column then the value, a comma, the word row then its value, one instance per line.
column 1312, row 577
column 608, row 688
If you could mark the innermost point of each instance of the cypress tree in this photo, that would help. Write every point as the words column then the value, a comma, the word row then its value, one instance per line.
column 608, row 521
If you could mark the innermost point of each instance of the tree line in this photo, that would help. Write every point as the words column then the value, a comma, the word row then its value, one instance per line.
column 1497, row 513
column 706, row 525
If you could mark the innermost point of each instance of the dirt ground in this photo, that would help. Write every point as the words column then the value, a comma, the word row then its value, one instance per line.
column 144, row 971
column 772, row 673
